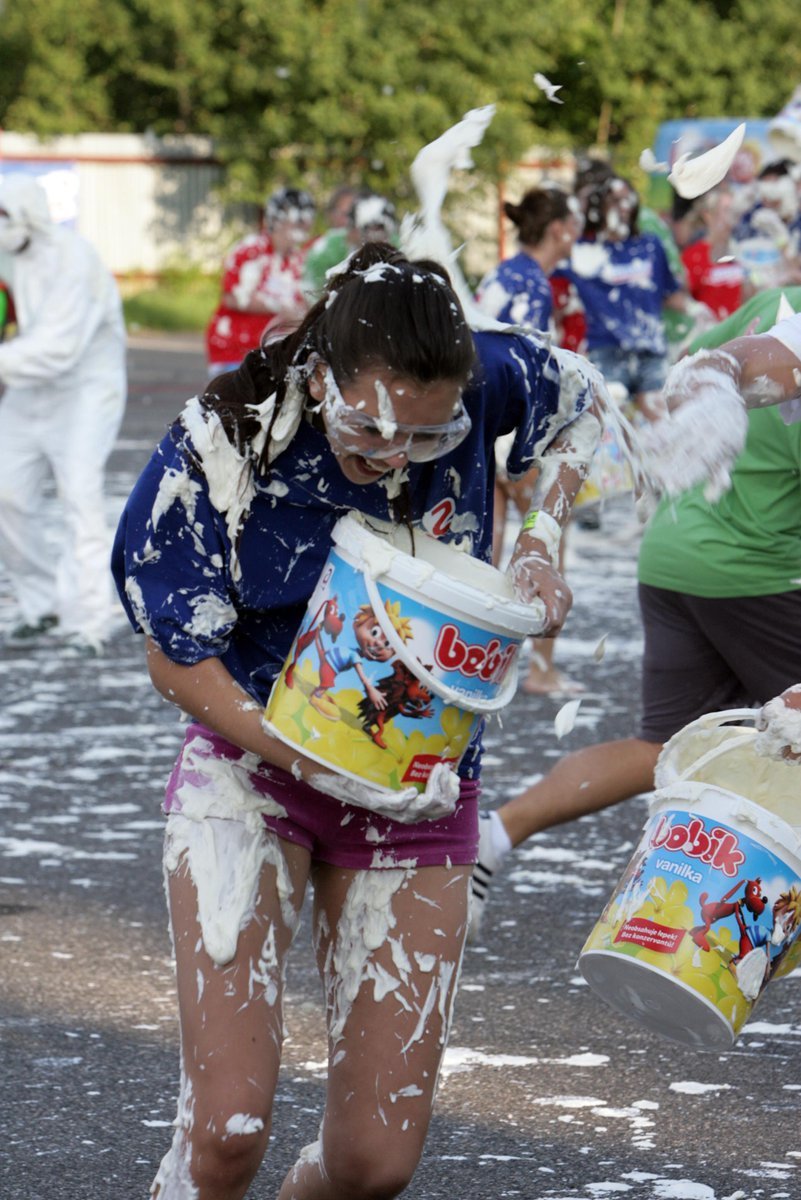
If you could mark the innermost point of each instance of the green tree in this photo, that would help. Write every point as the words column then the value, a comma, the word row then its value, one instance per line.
column 332, row 90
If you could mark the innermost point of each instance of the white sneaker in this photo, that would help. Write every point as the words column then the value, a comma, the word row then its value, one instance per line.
column 485, row 868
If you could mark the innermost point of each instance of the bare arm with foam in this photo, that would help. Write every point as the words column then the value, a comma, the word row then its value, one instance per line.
column 563, row 468
column 209, row 693
column 759, row 368
column 707, row 396
column 768, row 370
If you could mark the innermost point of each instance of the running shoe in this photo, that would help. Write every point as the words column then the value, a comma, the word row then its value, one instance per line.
column 485, row 868
column 80, row 645
column 32, row 633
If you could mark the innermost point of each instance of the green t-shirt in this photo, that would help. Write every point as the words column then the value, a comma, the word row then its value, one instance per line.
column 329, row 250
column 749, row 542
column 762, row 308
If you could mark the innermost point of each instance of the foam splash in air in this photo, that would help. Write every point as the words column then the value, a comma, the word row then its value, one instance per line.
column 547, row 88
column 692, row 177
column 424, row 234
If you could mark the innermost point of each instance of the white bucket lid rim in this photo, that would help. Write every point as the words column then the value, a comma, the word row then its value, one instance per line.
column 488, row 600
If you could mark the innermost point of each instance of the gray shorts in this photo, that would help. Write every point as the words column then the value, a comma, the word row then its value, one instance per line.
column 706, row 654
column 638, row 370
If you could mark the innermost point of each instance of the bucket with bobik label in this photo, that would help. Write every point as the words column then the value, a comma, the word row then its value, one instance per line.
column 407, row 644
column 709, row 909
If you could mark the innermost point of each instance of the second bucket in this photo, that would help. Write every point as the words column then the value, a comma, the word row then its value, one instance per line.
column 709, row 909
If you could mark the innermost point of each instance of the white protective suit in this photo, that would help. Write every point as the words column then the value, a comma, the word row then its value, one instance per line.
column 65, row 381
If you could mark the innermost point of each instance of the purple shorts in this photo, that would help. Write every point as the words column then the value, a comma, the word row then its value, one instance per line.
column 332, row 831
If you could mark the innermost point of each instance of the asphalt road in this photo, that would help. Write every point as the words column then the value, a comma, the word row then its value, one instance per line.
column 546, row 1094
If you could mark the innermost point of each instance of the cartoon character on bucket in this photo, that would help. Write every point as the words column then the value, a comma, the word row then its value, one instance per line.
column 761, row 929
column 717, row 910
column 403, row 695
column 369, row 643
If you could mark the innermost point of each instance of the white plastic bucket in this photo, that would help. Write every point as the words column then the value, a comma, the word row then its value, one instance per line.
column 709, row 908
column 451, row 630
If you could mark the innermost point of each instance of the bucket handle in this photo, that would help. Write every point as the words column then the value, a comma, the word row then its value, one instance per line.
column 448, row 694
column 711, row 720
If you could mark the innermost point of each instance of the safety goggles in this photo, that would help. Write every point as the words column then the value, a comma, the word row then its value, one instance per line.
column 352, row 431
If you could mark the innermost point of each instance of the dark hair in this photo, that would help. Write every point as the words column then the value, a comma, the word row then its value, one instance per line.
column 346, row 189
column 776, row 169
column 289, row 203
column 381, row 311
column 590, row 172
column 615, row 183
column 536, row 210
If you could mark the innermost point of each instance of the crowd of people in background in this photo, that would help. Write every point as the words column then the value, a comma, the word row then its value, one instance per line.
column 594, row 270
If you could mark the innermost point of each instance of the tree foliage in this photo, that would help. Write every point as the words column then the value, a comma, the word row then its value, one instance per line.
column 333, row 90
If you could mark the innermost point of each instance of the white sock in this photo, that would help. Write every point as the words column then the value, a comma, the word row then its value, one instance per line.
column 501, row 842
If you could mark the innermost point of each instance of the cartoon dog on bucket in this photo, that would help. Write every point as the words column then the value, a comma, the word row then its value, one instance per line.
column 717, row 910
column 759, row 935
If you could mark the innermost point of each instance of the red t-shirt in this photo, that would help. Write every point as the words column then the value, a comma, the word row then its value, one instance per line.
column 568, row 315
column 252, row 271
column 717, row 284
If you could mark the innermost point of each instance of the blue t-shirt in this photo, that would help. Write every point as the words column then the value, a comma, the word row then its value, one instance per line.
column 517, row 291
column 622, row 286
column 748, row 225
column 172, row 558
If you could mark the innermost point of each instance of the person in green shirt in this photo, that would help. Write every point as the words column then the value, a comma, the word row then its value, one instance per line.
column 371, row 219
column 720, row 599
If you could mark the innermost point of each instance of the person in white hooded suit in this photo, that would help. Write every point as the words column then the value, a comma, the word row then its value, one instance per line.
column 65, row 383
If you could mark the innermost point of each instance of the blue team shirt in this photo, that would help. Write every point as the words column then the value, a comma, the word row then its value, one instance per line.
column 624, row 296
column 517, row 292
column 175, row 564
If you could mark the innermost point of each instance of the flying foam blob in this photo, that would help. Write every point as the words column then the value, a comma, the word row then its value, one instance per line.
column 691, row 177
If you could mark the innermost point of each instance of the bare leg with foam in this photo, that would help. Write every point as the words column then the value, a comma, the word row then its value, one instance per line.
column 389, row 945
column 231, row 1011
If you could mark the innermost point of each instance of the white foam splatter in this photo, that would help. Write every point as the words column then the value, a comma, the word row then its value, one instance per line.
column 690, row 1088
column 438, row 800
column 588, row 259
column 700, row 440
column 682, row 1189
column 692, row 177
column 565, row 719
column 779, row 730
column 649, row 163
column 548, row 88
column 241, row 1123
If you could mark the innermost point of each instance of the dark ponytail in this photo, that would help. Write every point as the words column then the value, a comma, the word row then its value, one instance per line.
column 536, row 210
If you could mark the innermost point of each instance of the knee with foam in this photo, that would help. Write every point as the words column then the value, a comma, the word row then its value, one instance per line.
column 229, row 1146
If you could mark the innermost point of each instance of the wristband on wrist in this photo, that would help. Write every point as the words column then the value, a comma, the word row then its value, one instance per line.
column 545, row 529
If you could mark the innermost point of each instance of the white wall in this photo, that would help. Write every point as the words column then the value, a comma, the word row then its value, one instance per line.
column 145, row 203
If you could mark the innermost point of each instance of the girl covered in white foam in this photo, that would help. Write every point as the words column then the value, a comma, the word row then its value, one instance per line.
column 384, row 402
